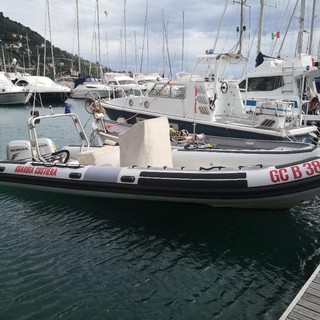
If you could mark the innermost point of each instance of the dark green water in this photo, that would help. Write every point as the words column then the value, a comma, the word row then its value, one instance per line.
column 67, row 257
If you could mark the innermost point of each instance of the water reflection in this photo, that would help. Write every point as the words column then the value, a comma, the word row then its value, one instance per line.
column 209, row 262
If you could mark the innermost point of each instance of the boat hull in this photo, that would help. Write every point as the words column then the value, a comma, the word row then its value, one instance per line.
column 81, row 94
column 215, row 128
column 276, row 187
column 50, row 96
column 13, row 98
column 195, row 158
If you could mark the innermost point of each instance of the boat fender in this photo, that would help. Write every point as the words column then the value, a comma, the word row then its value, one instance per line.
column 224, row 87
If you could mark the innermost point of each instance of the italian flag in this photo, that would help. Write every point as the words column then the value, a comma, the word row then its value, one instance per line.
column 275, row 35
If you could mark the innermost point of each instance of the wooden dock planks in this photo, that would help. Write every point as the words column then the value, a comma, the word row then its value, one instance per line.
column 306, row 304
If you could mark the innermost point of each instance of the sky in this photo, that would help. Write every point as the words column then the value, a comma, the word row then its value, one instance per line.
column 162, row 36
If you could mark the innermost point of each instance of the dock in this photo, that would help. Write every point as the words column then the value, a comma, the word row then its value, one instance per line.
column 306, row 304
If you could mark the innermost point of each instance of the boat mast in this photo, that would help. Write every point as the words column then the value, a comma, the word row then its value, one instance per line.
column 144, row 35
column 52, row 54
column 45, row 39
column 241, row 28
column 260, row 26
column 182, row 51
column 301, row 29
column 125, row 34
column 79, row 61
column 163, row 48
column 312, row 27
column 135, row 51
column 3, row 58
column 99, row 47
column 28, row 51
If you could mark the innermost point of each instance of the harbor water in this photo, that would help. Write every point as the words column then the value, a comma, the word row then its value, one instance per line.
column 68, row 257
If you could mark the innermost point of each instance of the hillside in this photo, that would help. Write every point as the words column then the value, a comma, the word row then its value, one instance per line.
column 26, row 47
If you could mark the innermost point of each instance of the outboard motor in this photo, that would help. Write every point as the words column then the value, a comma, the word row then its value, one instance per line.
column 20, row 150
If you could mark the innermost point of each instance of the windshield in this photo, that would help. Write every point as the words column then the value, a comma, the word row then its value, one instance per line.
column 262, row 83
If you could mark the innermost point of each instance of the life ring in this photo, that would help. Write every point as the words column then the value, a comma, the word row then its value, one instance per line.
column 224, row 87
column 146, row 104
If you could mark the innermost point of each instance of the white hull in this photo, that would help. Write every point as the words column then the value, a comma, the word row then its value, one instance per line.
column 260, row 188
column 81, row 93
column 13, row 98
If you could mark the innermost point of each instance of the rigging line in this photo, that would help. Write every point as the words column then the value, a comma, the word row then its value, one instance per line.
column 233, row 13
column 220, row 26
column 280, row 27
column 250, row 49
column 285, row 35
column 167, row 44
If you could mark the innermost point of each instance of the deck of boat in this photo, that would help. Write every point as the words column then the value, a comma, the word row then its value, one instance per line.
column 306, row 304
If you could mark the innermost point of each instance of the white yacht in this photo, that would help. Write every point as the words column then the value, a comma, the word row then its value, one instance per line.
column 10, row 94
column 43, row 88
column 89, row 85
column 292, row 80
column 212, row 105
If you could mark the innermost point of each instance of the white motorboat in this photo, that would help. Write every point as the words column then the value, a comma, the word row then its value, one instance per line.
column 11, row 94
column 89, row 85
column 214, row 106
column 43, row 89
column 123, row 84
column 291, row 80
column 132, row 173
column 147, row 81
